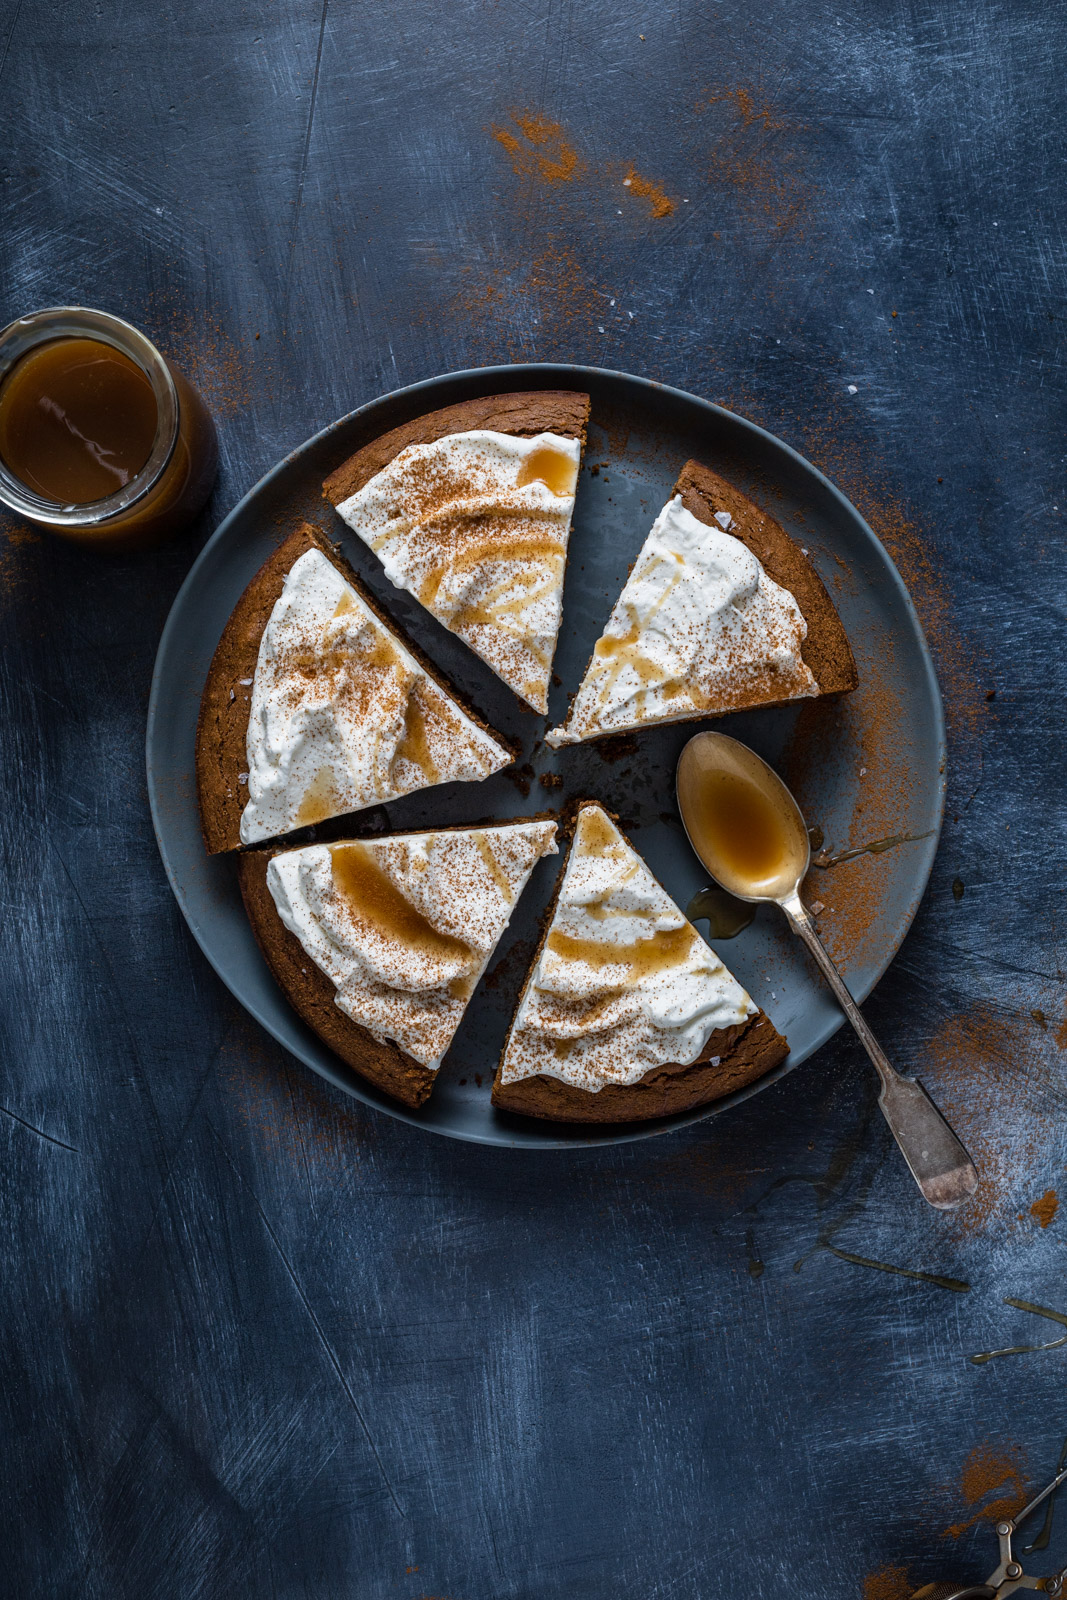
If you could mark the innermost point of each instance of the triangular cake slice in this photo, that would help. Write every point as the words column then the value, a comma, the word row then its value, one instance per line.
column 627, row 1014
column 469, row 509
column 317, row 705
column 379, row 943
column 722, row 612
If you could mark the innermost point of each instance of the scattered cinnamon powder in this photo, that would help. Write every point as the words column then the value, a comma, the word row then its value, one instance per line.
column 1061, row 1034
column 209, row 357
column 543, row 306
column 1045, row 1209
column 751, row 107
column 984, row 1069
column 756, row 161
column 16, row 556
column 543, row 151
column 989, row 1471
column 225, row 365
column 16, row 535
column 561, row 286
column 888, row 1583
column 659, row 201
column 966, row 702
column 860, row 733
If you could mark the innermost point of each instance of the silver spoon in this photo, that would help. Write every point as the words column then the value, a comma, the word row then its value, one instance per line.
column 749, row 832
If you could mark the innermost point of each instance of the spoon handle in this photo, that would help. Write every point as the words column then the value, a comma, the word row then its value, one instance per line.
column 939, row 1164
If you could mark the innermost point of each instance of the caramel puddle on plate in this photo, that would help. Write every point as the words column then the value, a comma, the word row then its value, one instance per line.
column 725, row 915
column 876, row 848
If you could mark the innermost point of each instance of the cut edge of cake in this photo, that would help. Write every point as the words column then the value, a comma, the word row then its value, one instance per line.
column 731, row 1060
column 311, row 992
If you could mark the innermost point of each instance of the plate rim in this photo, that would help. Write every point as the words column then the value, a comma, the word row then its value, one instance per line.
column 567, row 373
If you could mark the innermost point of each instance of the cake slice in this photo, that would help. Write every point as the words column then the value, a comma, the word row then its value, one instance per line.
column 627, row 1014
column 721, row 612
column 378, row 944
column 316, row 705
column 469, row 509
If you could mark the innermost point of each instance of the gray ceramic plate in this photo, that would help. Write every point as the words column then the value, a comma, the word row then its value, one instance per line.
column 640, row 434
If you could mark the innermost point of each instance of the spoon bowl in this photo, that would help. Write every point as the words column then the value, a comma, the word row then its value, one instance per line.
column 750, row 833
column 741, row 819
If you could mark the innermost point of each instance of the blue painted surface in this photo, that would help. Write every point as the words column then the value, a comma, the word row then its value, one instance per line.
column 260, row 1341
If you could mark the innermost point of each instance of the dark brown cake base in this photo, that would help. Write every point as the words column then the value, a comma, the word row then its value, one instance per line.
column 826, row 650
column 222, row 729
column 538, row 411
column 311, row 994
column 745, row 1052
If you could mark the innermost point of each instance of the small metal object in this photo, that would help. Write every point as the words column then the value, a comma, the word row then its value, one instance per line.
column 937, row 1160
column 1008, row 1575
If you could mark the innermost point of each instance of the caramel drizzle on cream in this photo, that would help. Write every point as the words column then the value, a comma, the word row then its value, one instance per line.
column 426, row 712
column 376, row 902
column 414, row 745
column 320, row 800
column 556, row 471
column 492, row 866
column 663, row 949
column 619, row 651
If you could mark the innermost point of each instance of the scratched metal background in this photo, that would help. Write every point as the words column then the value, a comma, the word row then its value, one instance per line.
column 259, row 1341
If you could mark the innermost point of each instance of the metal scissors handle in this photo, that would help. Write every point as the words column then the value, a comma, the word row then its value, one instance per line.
column 1008, row 1576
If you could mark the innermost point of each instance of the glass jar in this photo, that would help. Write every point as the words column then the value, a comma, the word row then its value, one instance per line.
column 166, row 493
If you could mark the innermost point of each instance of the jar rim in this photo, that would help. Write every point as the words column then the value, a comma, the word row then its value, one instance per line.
column 82, row 322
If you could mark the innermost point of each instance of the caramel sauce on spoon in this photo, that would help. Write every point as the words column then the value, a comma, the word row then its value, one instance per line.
column 741, row 819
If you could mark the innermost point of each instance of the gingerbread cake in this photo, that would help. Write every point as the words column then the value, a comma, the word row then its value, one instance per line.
column 469, row 509
column 317, row 705
column 379, row 944
column 722, row 612
column 626, row 1013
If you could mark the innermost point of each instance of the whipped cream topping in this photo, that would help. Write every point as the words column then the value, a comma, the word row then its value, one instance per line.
column 342, row 715
column 699, row 629
column 475, row 526
column 404, row 926
column 623, row 983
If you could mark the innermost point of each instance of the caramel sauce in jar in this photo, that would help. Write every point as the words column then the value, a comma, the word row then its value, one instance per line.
column 101, row 439
column 77, row 420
